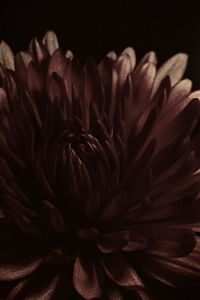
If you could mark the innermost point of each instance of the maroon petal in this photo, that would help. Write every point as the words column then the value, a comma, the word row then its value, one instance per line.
column 114, row 295
column 121, row 273
column 136, row 243
column 140, row 85
column 13, row 268
column 93, row 86
column 55, row 216
column 105, row 70
column 127, row 277
column 35, row 80
column 113, row 242
column 86, row 279
column 38, row 51
column 180, row 272
column 22, row 60
column 73, row 76
column 19, row 255
column 188, row 216
column 31, row 290
column 55, row 88
column 16, row 290
column 92, row 203
column 181, row 126
column 139, row 164
column 114, row 208
column 170, row 241
column 57, row 63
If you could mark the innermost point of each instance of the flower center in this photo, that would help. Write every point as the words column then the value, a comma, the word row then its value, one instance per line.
column 87, row 233
column 76, row 142
column 78, row 139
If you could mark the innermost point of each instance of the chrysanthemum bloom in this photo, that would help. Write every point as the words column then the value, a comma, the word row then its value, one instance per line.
column 99, row 175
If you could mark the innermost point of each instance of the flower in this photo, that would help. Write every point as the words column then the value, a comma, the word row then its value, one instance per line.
column 99, row 175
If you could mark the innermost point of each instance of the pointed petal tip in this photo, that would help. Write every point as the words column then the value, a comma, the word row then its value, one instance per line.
column 181, row 58
column 2, row 43
column 50, row 33
column 112, row 55
column 6, row 55
column 152, row 57
column 182, row 55
column 50, row 41
column 69, row 54
column 129, row 50
column 174, row 67
column 4, row 47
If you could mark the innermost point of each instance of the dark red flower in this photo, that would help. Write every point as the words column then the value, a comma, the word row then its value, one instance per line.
column 99, row 175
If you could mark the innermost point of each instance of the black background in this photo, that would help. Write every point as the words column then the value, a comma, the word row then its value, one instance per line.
column 92, row 28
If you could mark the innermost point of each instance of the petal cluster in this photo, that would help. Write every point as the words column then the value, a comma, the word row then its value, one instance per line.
column 99, row 174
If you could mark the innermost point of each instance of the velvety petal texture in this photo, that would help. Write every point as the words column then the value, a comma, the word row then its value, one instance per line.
column 99, row 175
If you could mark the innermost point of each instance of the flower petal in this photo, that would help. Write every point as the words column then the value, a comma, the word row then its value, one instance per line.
column 50, row 41
column 170, row 241
column 139, row 164
column 188, row 216
column 73, row 76
column 121, row 273
column 19, row 256
column 141, row 84
column 114, row 295
column 69, row 54
column 35, row 80
column 174, row 68
column 127, row 277
column 13, row 268
column 57, row 63
column 132, row 56
column 35, row 288
column 86, row 279
column 180, row 90
column 112, row 242
column 112, row 55
column 38, row 51
column 55, row 87
column 180, row 272
column 22, row 60
column 181, row 126
column 149, row 57
column 6, row 56
column 114, row 208
column 55, row 216
column 123, row 67
column 93, row 87
column 3, row 98
column 16, row 290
